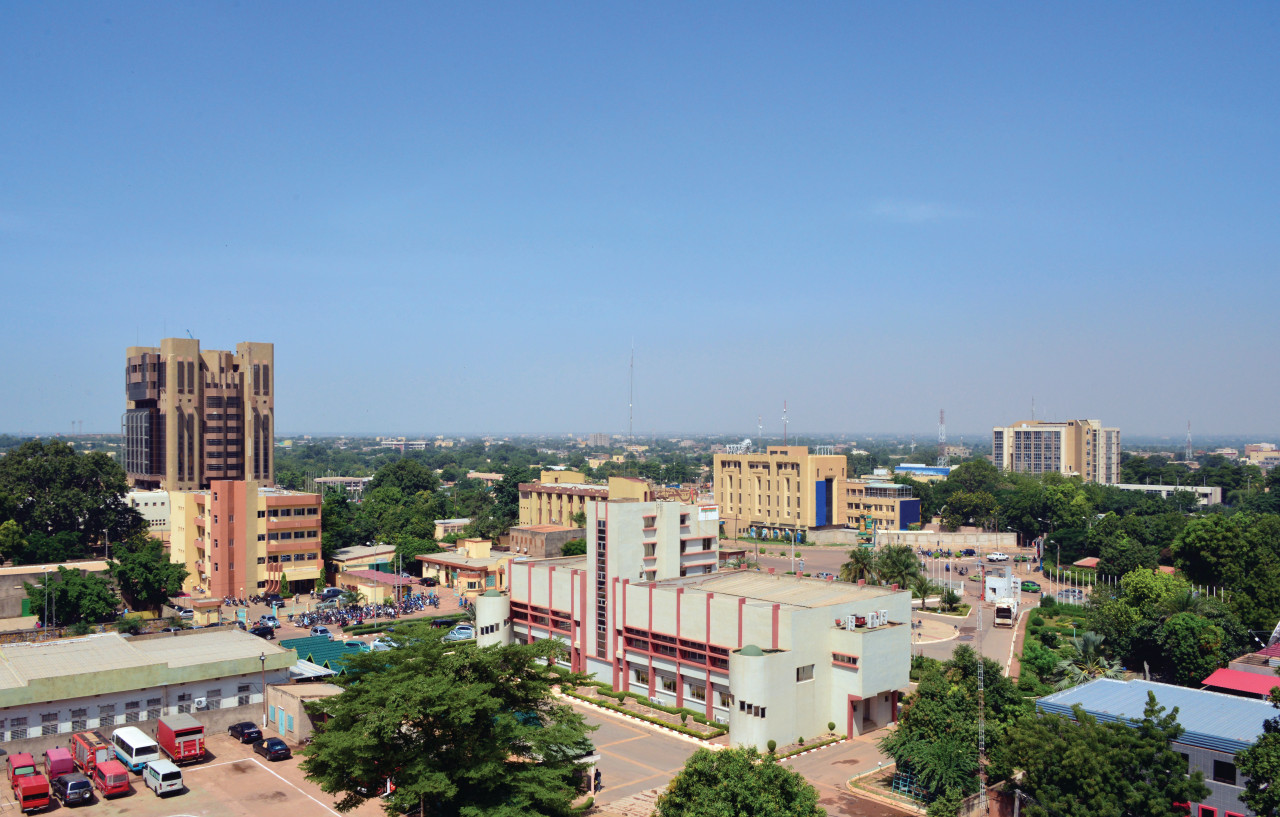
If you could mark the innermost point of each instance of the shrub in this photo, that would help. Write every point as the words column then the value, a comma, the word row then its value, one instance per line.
column 773, row 746
column 1050, row 639
column 1047, row 600
column 831, row 726
column 80, row 628
column 1037, row 621
column 800, row 740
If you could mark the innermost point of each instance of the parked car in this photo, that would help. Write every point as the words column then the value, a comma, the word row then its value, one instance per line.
column 462, row 632
column 330, row 593
column 997, row 557
column 72, row 789
column 968, row 552
column 827, row 576
column 429, row 581
column 320, row 629
column 273, row 599
column 381, row 644
column 273, row 749
column 331, row 604
column 270, row 621
column 1071, row 593
column 162, row 777
column 262, row 631
column 1031, row 587
column 245, row 732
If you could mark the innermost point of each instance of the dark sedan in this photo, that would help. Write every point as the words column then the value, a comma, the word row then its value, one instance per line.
column 273, row 749
column 263, row 631
column 245, row 732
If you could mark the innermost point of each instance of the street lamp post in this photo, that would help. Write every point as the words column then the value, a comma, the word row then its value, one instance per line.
column 263, row 659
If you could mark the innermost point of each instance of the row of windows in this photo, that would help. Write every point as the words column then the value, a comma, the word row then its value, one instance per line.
column 52, row 723
column 283, row 512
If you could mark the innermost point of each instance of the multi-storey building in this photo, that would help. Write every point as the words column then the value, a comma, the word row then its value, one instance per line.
column 193, row 416
column 1081, row 448
column 872, row 505
column 646, row 610
column 558, row 495
column 240, row 538
column 781, row 492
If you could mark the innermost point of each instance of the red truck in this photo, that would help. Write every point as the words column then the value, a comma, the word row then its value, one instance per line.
column 181, row 737
column 90, row 749
column 30, row 788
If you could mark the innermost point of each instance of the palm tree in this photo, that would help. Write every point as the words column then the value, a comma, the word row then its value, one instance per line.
column 351, row 598
column 921, row 587
column 859, row 567
column 896, row 564
column 1085, row 661
column 1182, row 602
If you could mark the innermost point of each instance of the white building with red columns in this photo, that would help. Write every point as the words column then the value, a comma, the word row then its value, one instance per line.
column 645, row 610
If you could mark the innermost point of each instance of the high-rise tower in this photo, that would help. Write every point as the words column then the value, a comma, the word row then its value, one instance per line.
column 195, row 415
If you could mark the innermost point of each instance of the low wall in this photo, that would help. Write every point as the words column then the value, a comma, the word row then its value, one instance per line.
column 833, row 536
column 952, row 541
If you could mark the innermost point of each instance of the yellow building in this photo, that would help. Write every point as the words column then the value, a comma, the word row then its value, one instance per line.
column 1081, row 448
column 781, row 492
column 558, row 495
column 469, row 570
column 872, row 505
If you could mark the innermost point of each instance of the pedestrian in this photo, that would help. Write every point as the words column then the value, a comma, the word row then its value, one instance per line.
column 598, row 786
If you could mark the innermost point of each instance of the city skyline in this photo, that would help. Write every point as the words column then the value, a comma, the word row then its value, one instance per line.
column 449, row 219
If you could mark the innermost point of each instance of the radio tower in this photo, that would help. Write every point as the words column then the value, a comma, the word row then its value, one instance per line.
column 784, row 422
column 943, row 460
column 1189, row 456
column 913, row 445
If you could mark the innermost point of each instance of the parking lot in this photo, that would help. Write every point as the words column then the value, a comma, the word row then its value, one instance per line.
column 232, row 781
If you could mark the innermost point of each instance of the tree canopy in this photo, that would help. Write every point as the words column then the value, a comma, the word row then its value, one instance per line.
column 146, row 577
column 737, row 783
column 1084, row 768
column 470, row 731
column 72, row 596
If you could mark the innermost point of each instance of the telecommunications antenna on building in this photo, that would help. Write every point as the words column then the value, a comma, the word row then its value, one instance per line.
column 760, row 428
column 943, row 461
column 631, row 398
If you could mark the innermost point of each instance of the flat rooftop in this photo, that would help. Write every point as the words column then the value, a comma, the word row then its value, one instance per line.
column 544, row 528
column 361, row 551
column 1225, row 723
column 775, row 589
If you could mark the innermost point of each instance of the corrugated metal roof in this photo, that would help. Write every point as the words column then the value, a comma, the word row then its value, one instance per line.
column 1225, row 723
column 1254, row 683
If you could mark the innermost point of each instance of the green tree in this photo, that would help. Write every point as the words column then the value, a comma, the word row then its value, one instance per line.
column 1120, row 554
column 896, row 564
column 574, row 547
column 469, row 731
column 11, row 542
column 408, row 475
column 1260, row 764
column 146, row 577
column 1084, row 660
column 1193, row 647
column 72, row 596
column 860, row 567
column 921, row 588
column 738, row 782
column 409, row 548
column 1089, row 769
column 62, row 491
column 579, row 519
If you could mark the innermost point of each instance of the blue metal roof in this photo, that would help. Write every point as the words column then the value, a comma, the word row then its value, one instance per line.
column 1212, row 720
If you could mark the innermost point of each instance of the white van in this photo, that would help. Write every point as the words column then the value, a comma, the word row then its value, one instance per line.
column 162, row 777
column 133, row 748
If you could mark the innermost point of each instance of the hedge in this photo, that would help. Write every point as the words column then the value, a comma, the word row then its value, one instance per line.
column 719, row 729
column 811, row 746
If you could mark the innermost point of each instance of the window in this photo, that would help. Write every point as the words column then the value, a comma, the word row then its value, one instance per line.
column 804, row 673
column 668, row 684
column 106, row 715
column 18, row 729
column 79, row 720
column 184, row 702
column 642, row 676
column 133, row 711
column 726, row 700
column 698, row 692
column 214, row 698
column 1224, row 771
column 242, row 695
column 49, row 723
column 153, row 709
column 262, row 514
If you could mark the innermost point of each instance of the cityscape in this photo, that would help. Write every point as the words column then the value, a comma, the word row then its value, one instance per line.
column 941, row 536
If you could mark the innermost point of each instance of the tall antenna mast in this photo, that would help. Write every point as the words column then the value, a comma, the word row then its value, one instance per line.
column 982, row 704
column 784, row 422
column 1189, row 455
column 760, row 429
column 943, row 460
column 913, row 445
column 631, row 398
column 1033, row 408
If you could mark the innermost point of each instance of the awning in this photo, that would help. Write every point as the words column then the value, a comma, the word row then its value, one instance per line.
column 1250, row 683
column 294, row 574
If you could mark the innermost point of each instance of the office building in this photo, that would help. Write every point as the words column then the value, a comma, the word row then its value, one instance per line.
column 1082, row 448
column 1205, row 494
column 872, row 505
column 241, row 538
column 193, row 416
column 542, row 541
column 1218, row 727
column 560, row 494
column 647, row 611
column 780, row 493
column 154, row 509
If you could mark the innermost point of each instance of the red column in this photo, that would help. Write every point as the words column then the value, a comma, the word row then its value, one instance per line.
column 776, row 612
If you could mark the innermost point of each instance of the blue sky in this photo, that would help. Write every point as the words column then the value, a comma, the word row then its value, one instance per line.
column 459, row 217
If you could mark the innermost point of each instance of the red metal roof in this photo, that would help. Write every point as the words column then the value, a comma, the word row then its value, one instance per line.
column 1271, row 652
column 1253, row 683
column 1088, row 561
column 378, row 577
